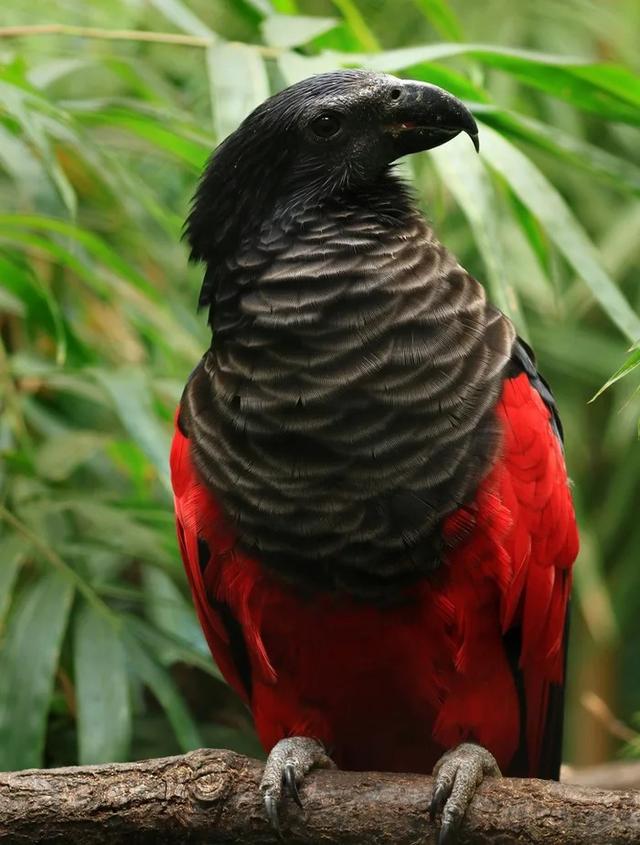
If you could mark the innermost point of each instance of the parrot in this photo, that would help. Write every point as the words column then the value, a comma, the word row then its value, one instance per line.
column 371, row 497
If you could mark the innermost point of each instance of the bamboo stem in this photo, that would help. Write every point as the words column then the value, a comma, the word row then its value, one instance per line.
column 181, row 39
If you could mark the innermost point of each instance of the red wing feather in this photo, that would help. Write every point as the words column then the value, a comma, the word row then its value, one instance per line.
column 543, row 546
column 200, row 528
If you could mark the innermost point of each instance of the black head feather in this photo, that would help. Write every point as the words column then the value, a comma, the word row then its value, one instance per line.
column 328, row 136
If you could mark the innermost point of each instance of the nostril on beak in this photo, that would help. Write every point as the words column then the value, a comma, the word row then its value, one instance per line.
column 395, row 93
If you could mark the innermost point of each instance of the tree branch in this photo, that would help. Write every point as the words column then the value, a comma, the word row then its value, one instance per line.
column 213, row 797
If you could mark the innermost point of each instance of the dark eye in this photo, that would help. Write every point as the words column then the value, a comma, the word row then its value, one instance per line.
column 326, row 125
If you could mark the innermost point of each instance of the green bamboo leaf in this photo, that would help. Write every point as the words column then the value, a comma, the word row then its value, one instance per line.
column 405, row 57
column 28, row 662
column 37, row 119
column 553, row 140
column 295, row 67
column 294, row 30
column 132, row 462
column 144, row 80
column 13, row 551
column 629, row 365
column 589, row 90
column 62, row 454
column 148, row 311
column 442, row 17
column 550, row 209
column 171, row 613
column 117, row 526
column 9, row 303
column 25, row 169
column 238, row 83
column 615, row 79
column 356, row 22
column 183, row 17
column 624, row 583
column 579, row 354
column 620, row 243
column 102, row 689
column 129, row 391
column 26, row 280
column 94, row 245
column 617, row 504
column 170, row 648
column 261, row 7
column 170, row 138
column 532, row 231
column 463, row 172
column 50, row 72
column 19, row 280
column 58, row 380
column 109, row 172
column 25, row 240
column 159, row 681
column 592, row 591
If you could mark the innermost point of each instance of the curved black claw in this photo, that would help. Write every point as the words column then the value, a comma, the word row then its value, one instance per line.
column 271, row 806
column 447, row 835
column 440, row 795
column 287, row 764
column 290, row 782
column 457, row 775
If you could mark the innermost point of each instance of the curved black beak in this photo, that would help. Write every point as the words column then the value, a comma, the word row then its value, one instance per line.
column 420, row 117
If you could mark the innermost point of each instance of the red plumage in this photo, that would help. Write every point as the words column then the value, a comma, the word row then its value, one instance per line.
column 392, row 688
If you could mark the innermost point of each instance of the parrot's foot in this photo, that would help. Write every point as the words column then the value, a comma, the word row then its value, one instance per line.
column 287, row 764
column 457, row 775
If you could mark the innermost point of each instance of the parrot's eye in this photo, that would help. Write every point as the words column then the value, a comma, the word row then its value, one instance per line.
column 326, row 125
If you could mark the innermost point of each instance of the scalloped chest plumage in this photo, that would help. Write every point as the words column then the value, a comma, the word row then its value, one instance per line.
column 346, row 405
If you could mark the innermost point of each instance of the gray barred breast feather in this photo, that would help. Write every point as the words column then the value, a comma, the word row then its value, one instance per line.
column 346, row 405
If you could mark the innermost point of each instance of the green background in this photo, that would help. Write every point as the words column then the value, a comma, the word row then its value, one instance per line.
column 101, row 143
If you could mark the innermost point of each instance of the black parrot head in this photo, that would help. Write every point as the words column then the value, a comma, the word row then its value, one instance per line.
column 323, row 137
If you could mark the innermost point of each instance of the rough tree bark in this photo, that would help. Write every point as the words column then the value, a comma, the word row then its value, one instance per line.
column 212, row 797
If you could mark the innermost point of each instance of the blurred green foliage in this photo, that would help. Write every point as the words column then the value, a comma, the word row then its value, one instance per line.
column 101, row 142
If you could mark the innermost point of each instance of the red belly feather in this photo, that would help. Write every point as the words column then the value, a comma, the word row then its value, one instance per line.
column 391, row 688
